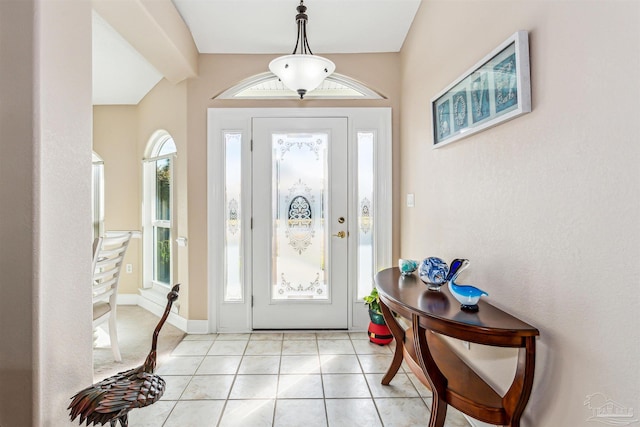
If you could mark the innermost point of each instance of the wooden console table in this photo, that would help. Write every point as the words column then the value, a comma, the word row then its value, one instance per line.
column 450, row 379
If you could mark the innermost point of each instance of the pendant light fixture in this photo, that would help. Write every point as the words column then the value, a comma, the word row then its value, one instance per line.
column 302, row 72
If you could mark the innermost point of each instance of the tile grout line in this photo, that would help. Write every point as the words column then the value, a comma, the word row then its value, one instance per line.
column 321, row 370
column 235, row 376
column 187, row 385
column 275, row 400
column 373, row 400
column 324, row 394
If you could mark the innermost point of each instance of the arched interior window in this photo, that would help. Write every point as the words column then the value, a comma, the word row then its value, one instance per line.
column 159, row 209
column 164, row 146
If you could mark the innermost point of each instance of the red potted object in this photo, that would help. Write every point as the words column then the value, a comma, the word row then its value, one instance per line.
column 379, row 332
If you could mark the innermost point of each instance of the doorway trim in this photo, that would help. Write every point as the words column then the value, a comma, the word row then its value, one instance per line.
column 225, row 316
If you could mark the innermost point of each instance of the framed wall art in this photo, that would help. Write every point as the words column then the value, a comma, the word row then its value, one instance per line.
column 494, row 90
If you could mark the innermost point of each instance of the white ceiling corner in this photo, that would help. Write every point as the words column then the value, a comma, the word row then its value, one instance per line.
column 269, row 26
column 121, row 75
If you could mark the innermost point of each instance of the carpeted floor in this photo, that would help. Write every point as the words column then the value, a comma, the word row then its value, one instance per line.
column 135, row 329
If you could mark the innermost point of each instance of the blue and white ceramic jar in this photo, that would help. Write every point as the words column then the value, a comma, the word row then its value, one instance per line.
column 433, row 271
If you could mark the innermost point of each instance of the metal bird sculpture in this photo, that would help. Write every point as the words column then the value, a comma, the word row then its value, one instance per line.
column 111, row 399
column 467, row 295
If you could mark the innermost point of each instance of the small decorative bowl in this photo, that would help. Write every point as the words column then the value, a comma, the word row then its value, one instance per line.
column 407, row 266
column 433, row 271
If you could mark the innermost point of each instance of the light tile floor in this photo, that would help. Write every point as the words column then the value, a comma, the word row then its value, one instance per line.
column 286, row 380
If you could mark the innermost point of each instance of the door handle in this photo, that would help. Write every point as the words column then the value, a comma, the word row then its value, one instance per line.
column 341, row 234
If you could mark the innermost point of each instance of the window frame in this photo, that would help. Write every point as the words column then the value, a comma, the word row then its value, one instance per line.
column 150, row 222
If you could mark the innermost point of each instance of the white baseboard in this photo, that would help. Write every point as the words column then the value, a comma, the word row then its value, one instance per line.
column 128, row 299
column 198, row 326
column 153, row 306
column 157, row 309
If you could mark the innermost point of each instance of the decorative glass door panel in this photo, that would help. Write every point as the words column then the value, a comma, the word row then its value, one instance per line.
column 300, row 206
column 233, row 291
column 299, row 181
column 366, row 187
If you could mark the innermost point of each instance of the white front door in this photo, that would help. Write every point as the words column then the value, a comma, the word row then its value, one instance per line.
column 264, row 276
column 300, row 224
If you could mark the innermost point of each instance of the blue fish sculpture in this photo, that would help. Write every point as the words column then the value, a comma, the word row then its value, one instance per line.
column 467, row 295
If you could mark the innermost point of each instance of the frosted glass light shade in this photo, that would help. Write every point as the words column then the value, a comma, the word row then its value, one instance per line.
column 302, row 73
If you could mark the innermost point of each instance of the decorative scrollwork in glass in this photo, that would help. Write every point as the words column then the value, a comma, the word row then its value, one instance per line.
column 365, row 215
column 287, row 287
column 299, row 209
column 232, row 217
column 314, row 147
column 300, row 217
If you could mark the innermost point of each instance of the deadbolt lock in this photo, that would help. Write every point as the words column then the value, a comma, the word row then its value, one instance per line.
column 341, row 220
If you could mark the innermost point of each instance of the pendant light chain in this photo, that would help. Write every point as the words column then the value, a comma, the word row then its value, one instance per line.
column 301, row 19
column 302, row 71
column 301, row 40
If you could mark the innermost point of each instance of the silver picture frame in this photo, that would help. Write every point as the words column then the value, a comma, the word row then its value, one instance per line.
column 494, row 90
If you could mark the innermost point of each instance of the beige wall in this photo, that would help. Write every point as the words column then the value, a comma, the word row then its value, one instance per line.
column 45, row 225
column 115, row 139
column 121, row 134
column 219, row 72
column 17, row 192
column 545, row 206
column 165, row 107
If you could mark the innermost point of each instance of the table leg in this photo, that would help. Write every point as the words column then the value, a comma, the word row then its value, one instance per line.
column 398, row 333
column 438, row 412
column 436, row 379
column 516, row 398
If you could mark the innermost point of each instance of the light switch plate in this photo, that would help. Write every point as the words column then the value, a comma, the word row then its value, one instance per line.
column 411, row 200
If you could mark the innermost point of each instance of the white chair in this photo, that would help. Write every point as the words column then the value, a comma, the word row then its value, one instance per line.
column 108, row 256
